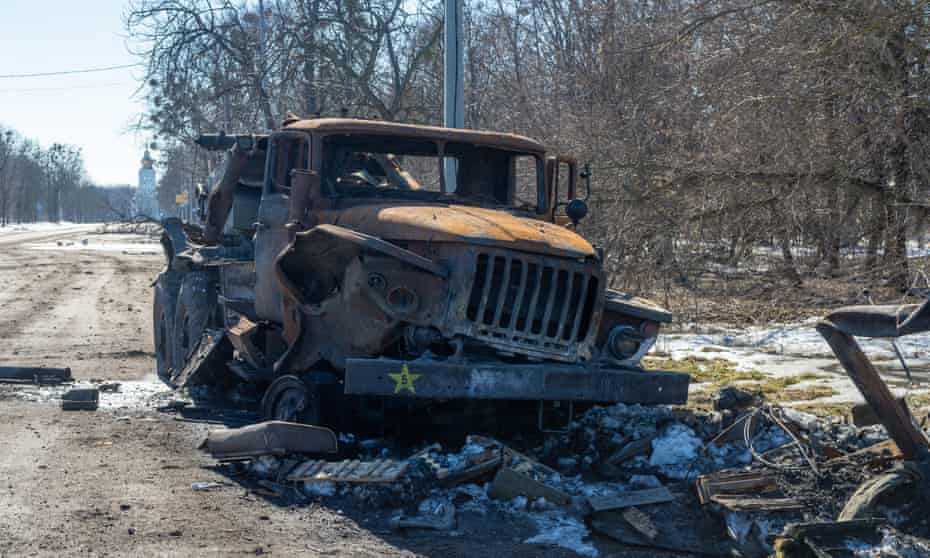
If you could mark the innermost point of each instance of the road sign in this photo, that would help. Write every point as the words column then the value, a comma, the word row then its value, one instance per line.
column 181, row 198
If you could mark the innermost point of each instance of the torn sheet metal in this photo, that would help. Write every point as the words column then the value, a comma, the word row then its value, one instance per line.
column 269, row 438
column 210, row 354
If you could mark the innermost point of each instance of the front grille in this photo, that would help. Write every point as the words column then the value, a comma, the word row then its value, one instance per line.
column 538, row 306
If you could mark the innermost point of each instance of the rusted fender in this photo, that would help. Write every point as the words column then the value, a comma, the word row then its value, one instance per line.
column 882, row 321
column 325, row 251
column 269, row 438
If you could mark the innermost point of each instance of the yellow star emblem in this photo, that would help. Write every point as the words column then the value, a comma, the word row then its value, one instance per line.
column 404, row 380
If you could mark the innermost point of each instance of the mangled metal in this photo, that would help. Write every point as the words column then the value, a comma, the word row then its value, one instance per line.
column 269, row 438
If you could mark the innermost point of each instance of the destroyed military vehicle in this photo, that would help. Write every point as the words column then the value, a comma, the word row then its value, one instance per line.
column 353, row 264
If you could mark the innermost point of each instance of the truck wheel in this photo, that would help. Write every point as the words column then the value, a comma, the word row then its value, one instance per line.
column 196, row 306
column 290, row 399
column 163, row 326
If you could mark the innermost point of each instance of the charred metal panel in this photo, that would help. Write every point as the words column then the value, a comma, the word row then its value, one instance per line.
column 496, row 380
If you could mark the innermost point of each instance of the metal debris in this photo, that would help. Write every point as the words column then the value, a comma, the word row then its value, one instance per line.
column 269, row 438
column 80, row 399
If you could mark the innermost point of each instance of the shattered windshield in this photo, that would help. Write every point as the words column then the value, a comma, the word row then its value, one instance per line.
column 397, row 167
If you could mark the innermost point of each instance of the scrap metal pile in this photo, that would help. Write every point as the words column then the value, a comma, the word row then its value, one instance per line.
column 745, row 479
column 748, row 479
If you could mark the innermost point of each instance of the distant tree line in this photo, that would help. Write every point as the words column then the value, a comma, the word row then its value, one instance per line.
column 50, row 184
column 788, row 137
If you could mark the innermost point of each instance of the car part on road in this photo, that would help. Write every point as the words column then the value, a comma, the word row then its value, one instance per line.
column 269, row 438
column 38, row 375
column 80, row 399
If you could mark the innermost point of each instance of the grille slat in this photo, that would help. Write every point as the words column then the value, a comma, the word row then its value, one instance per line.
column 486, row 291
column 550, row 302
column 504, row 288
column 566, row 304
column 518, row 300
column 581, row 294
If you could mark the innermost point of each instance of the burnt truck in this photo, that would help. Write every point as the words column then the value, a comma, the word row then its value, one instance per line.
column 353, row 264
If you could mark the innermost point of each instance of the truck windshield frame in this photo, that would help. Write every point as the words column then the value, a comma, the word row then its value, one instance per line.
column 367, row 166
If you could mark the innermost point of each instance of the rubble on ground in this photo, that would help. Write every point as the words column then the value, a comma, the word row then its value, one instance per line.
column 148, row 228
column 730, row 480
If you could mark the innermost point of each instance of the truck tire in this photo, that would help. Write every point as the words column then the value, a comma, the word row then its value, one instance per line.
column 195, row 309
column 163, row 326
column 290, row 399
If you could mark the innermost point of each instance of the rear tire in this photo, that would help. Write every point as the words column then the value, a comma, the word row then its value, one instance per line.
column 163, row 310
column 195, row 308
column 290, row 399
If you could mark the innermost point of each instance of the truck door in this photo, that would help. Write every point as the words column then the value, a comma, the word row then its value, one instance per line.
column 287, row 151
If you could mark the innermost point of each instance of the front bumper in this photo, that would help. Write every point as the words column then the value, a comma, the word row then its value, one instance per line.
column 496, row 380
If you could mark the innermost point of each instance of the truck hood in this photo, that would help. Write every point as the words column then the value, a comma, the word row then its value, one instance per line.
column 466, row 224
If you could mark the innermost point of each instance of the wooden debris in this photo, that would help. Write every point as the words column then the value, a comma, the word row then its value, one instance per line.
column 349, row 470
column 474, row 472
column 822, row 539
column 886, row 450
column 734, row 483
column 631, row 450
column 629, row 499
column 681, row 527
column 641, row 522
column 738, row 504
column 508, row 484
column 441, row 519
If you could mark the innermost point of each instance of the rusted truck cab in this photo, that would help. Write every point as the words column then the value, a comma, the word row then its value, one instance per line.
column 399, row 261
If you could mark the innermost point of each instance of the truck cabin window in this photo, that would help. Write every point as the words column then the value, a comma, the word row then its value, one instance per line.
column 288, row 153
column 410, row 168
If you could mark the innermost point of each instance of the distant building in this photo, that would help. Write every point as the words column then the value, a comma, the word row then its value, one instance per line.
column 146, row 193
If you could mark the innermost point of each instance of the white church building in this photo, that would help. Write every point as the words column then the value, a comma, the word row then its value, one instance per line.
column 147, row 193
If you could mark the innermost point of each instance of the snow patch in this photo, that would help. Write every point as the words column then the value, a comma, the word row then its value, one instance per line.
column 557, row 529
column 675, row 451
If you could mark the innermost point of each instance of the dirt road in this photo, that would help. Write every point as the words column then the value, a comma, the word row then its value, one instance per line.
column 117, row 481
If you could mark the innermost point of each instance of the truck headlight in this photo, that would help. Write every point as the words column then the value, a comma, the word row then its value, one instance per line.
column 624, row 342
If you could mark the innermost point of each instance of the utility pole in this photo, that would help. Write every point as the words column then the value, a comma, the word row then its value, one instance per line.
column 453, row 98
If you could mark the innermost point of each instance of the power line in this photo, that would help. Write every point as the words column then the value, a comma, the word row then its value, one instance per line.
column 67, row 72
column 97, row 86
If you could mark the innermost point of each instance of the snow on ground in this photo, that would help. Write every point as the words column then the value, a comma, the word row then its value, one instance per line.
column 793, row 349
column 130, row 244
column 43, row 227
column 558, row 529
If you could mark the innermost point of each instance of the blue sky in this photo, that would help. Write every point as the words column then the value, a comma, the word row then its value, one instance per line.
column 93, row 110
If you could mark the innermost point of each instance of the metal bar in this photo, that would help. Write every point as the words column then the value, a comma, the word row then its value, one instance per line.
column 537, row 287
column 566, row 303
column 895, row 417
column 579, row 309
column 544, row 330
column 486, row 291
column 498, row 380
column 505, row 285
column 515, row 315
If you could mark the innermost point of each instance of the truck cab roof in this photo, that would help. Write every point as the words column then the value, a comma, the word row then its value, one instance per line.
column 354, row 126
